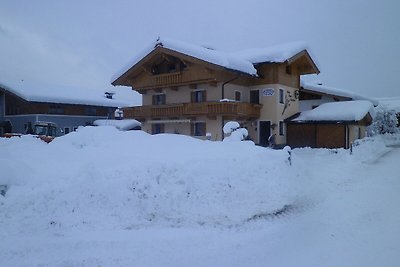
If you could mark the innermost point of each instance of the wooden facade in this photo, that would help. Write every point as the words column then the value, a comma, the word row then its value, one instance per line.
column 169, row 80
column 15, row 105
column 210, row 109
column 326, row 134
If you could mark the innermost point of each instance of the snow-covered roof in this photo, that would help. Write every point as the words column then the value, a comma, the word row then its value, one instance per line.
column 124, row 125
column 241, row 61
column 77, row 96
column 316, row 87
column 277, row 53
column 392, row 103
column 337, row 111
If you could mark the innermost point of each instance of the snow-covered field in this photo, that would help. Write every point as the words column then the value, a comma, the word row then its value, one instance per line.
column 102, row 197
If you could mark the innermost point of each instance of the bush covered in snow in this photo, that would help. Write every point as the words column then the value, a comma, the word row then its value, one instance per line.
column 234, row 132
column 384, row 121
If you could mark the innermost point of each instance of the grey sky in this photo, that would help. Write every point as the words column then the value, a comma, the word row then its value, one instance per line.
column 82, row 43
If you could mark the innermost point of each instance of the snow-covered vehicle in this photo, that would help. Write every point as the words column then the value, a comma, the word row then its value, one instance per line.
column 46, row 131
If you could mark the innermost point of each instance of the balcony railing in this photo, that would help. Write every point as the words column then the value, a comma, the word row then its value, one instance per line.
column 170, row 78
column 237, row 109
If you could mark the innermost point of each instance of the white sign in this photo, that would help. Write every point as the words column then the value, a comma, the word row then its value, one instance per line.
column 268, row 92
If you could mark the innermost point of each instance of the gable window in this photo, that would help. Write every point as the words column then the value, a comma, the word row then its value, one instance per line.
column 199, row 129
column 281, row 96
column 198, row 96
column 281, row 128
column 238, row 96
column 159, row 99
column 255, row 96
column 157, row 128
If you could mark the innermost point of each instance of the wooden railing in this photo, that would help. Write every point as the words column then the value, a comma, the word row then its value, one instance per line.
column 170, row 79
column 194, row 109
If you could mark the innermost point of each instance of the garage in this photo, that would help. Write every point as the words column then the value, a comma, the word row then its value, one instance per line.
column 331, row 125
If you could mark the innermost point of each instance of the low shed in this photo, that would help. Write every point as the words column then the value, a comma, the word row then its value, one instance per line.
column 331, row 125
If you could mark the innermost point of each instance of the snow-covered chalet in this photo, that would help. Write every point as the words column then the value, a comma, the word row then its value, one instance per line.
column 194, row 90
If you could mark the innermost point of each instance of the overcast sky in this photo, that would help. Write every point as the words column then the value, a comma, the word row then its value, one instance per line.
column 83, row 43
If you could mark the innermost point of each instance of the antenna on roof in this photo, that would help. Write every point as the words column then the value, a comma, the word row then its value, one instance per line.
column 158, row 42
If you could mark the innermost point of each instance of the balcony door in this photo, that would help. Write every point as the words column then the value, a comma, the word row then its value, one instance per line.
column 255, row 96
column 198, row 96
column 264, row 130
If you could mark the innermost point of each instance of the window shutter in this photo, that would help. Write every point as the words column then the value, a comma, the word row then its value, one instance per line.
column 204, row 96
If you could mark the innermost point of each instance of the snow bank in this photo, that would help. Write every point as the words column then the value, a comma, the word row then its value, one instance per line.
column 102, row 178
column 103, row 197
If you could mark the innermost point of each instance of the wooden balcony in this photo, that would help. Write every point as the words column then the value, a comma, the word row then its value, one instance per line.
column 170, row 79
column 210, row 109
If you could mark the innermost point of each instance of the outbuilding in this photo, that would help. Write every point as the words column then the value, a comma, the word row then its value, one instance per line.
column 330, row 125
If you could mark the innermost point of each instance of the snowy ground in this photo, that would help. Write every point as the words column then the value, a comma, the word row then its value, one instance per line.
column 100, row 197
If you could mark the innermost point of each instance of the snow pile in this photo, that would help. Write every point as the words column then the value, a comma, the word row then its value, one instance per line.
column 103, row 197
column 230, row 126
column 338, row 111
column 125, row 180
column 234, row 132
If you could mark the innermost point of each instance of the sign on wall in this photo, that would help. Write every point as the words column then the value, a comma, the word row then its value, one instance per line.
column 268, row 92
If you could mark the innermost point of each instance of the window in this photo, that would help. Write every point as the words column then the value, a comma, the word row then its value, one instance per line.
column 281, row 128
column 199, row 129
column 199, row 96
column 157, row 128
column 281, row 96
column 56, row 109
column 66, row 130
column 255, row 97
column 159, row 99
column 91, row 111
column 238, row 96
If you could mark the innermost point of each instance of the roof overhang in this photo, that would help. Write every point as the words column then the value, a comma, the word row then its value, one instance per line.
column 306, row 64
column 126, row 79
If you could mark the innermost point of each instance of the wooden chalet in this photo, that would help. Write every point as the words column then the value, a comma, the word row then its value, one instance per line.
column 194, row 90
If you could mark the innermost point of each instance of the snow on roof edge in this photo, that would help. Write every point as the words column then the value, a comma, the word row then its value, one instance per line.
column 37, row 96
column 242, row 61
column 334, row 91
column 338, row 111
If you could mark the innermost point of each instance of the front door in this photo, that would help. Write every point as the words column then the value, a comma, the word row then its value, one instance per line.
column 264, row 131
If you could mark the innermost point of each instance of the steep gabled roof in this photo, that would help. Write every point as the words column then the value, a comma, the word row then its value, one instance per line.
column 242, row 61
